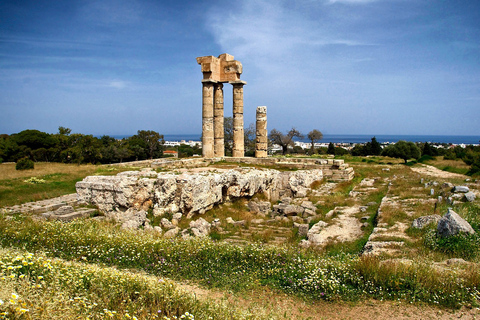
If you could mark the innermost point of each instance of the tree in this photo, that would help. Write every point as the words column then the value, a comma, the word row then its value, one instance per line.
column 373, row 147
column 314, row 136
column 428, row 150
column 147, row 141
column 228, row 135
column 403, row 150
column 284, row 140
column 331, row 149
column 249, row 140
column 64, row 131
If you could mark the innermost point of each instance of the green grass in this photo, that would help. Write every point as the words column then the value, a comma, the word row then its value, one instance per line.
column 36, row 287
column 236, row 268
column 59, row 179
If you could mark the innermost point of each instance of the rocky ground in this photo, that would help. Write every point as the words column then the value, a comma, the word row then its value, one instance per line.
column 382, row 206
column 401, row 195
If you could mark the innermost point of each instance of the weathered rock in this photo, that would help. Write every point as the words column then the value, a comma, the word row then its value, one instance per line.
column 216, row 223
column 158, row 230
column 447, row 185
column 240, row 223
column 309, row 213
column 200, row 227
column 461, row 189
column 451, row 224
column 302, row 230
column 313, row 234
column 188, row 194
column 133, row 218
column 172, row 233
column 422, row 222
column 64, row 210
column 262, row 207
column 469, row 196
column 230, row 220
column 308, row 205
column 456, row 261
column 166, row 224
column 177, row 216
column 293, row 210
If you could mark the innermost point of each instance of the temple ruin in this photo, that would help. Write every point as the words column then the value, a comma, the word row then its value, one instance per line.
column 217, row 71
column 261, row 139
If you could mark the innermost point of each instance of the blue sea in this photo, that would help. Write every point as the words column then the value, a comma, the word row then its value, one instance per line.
column 354, row 138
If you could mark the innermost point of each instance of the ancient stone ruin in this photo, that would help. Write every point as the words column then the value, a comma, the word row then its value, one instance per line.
column 189, row 193
column 261, row 142
column 217, row 71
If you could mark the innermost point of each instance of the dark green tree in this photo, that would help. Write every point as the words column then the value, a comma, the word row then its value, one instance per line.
column 428, row 150
column 147, row 142
column 228, row 135
column 331, row 149
column 373, row 147
column 403, row 150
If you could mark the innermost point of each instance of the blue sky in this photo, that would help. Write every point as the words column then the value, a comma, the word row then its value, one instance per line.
column 339, row 66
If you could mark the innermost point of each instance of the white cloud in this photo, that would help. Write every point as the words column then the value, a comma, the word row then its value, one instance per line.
column 117, row 84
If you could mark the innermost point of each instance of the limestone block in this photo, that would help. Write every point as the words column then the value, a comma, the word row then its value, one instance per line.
column 452, row 224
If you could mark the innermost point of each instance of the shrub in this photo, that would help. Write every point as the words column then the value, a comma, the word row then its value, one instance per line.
column 461, row 245
column 24, row 164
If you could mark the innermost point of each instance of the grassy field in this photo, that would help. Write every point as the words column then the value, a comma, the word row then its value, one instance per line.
column 93, row 268
column 47, row 180
column 454, row 166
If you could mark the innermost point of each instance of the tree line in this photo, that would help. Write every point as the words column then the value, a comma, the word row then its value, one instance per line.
column 68, row 147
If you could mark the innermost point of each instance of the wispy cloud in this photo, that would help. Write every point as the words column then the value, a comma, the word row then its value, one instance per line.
column 117, row 84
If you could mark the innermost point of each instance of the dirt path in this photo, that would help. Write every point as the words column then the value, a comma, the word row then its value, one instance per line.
column 345, row 227
column 435, row 172
column 287, row 307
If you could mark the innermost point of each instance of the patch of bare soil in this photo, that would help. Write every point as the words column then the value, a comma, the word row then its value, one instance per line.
column 435, row 172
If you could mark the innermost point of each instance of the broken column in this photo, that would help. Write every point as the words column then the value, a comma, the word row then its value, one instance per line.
column 261, row 141
column 207, row 119
column 238, row 134
column 219, row 147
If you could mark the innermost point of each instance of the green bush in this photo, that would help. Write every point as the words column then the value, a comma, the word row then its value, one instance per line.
column 24, row 164
column 460, row 245
column 425, row 157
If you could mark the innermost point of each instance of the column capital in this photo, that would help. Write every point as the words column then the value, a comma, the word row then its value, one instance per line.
column 238, row 82
column 209, row 81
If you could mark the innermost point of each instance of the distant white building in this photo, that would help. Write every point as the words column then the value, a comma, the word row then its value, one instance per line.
column 190, row 143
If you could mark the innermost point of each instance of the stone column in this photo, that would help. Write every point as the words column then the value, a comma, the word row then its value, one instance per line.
column 238, row 134
column 261, row 141
column 207, row 119
column 219, row 148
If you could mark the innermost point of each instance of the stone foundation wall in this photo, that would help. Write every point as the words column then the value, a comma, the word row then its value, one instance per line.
column 189, row 193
